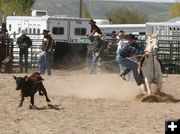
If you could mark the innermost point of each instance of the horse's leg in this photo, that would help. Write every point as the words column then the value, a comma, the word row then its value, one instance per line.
column 148, row 86
column 143, row 88
column 159, row 85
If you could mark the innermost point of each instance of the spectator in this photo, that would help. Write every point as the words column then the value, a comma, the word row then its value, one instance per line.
column 122, row 42
column 97, row 51
column 23, row 42
column 113, row 38
column 47, row 48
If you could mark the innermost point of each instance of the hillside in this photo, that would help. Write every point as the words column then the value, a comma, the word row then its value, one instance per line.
column 98, row 9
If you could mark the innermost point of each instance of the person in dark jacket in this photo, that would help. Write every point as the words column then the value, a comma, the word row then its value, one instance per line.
column 47, row 48
column 94, row 27
column 23, row 42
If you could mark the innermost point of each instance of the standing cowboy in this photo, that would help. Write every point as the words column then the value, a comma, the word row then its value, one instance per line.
column 97, row 51
column 24, row 42
column 94, row 29
column 47, row 47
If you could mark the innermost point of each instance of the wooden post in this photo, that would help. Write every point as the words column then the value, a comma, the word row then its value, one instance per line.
column 80, row 8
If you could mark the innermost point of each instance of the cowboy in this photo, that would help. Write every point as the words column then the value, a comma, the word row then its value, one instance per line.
column 124, row 53
column 97, row 51
column 94, row 27
column 23, row 42
column 47, row 48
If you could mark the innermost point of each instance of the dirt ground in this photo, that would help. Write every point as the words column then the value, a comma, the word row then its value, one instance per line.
column 86, row 104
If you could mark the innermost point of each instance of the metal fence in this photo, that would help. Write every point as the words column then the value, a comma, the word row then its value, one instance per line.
column 32, row 56
column 169, row 53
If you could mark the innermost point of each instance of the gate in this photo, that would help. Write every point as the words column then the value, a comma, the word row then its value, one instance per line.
column 32, row 56
column 169, row 53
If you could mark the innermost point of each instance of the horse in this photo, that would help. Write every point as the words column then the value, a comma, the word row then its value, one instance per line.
column 150, row 67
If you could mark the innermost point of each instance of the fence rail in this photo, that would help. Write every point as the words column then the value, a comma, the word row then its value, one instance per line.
column 168, row 52
column 32, row 56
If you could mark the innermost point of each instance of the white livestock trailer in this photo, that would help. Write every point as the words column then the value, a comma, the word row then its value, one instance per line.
column 63, row 29
column 127, row 28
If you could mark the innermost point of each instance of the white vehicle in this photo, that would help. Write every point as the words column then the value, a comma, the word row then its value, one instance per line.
column 63, row 29
column 166, row 30
column 127, row 28
column 39, row 13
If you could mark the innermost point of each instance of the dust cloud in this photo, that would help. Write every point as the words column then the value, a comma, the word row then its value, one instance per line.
column 99, row 86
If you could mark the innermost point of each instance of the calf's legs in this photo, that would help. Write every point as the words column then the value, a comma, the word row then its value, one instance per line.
column 41, row 87
column 21, row 103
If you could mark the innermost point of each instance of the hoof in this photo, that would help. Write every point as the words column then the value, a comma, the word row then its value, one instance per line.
column 32, row 107
column 48, row 100
column 20, row 105
column 151, row 98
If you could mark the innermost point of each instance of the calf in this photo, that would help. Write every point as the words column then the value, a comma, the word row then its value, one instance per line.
column 29, row 86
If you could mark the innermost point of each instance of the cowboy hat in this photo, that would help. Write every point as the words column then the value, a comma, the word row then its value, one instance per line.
column 97, row 34
column 45, row 31
column 91, row 21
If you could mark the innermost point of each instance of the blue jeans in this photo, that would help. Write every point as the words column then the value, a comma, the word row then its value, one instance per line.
column 119, row 61
column 130, row 66
column 48, row 57
column 41, row 63
column 95, row 59
column 23, row 53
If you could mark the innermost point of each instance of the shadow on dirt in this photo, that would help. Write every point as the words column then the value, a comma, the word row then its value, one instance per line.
column 49, row 106
column 161, row 97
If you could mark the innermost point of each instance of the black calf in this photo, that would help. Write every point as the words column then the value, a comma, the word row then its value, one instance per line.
column 29, row 87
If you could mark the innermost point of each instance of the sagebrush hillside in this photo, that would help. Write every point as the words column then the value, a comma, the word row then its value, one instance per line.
column 97, row 9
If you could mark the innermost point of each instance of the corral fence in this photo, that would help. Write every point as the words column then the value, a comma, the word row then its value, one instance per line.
column 32, row 56
column 168, row 52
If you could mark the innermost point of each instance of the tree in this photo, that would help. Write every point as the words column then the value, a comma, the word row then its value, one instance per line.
column 19, row 7
column 86, row 14
column 174, row 10
column 125, row 16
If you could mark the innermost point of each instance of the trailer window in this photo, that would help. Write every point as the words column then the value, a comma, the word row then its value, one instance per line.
column 58, row 30
column 19, row 30
column 9, row 27
column 26, row 30
column 80, row 31
column 34, row 30
column 38, row 31
column 30, row 31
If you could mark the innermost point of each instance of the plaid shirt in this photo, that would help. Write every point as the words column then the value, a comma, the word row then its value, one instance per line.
column 126, row 50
